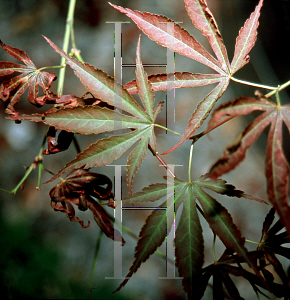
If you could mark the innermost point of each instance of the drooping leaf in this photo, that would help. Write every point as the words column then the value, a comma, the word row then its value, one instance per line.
column 64, row 140
column 277, row 289
column 77, row 188
column 79, row 182
column 203, row 20
column 103, row 220
column 277, row 168
column 67, row 208
column 217, row 285
column 225, row 266
column 246, row 40
column 230, row 286
column 273, row 260
column 179, row 40
column 277, row 171
column 221, row 223
column 237, row 107
column 31, row 78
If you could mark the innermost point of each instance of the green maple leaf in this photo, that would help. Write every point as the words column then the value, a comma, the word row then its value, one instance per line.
column 188, row 237
column 96, row 120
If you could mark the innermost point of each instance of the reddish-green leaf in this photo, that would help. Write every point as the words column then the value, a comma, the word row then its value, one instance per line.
column 151, row 193
column 31, row 78
column 168, row 34
column 222, row 224
column 203, row 20
column 220, row 186
column 277, row 168
column 136, row 158
column 144, row 87
column 236, row 152
column 201, row 113
column 246, row 40
column 102, row 86
column 86, row 120
column 181, row 80
column 155, row 192
column 147, row 96
column 189, row 239
column 237, row 107
column 178, row 39
column 103, row 152
column 151, row 236
column 277, row 172
column 92, row 119
column 157, row 110
column 189, row 245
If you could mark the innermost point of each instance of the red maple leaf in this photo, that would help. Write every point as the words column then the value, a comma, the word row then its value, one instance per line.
column 31, row 78
column 277, row 168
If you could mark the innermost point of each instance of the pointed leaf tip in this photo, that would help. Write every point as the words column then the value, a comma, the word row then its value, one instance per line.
column 203, row 19
column 158, row 28
column 144, row 87
column 201, row 112
column 246, row 40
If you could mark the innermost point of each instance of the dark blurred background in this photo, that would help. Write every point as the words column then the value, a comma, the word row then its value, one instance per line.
column 43, row 255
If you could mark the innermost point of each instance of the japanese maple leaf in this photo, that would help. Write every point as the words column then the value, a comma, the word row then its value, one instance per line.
column 169, row 34
column 95, row 119
column 189, row 244
column 30, row 78
column 277, row 168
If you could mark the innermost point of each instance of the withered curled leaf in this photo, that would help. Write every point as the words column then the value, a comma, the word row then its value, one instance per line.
column 78, row 188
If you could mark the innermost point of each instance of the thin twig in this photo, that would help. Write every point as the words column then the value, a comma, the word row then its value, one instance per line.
column 254, row 84
column 155, row 153
column 69, row 21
